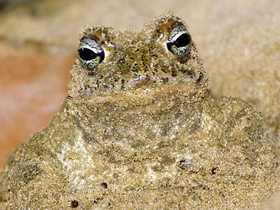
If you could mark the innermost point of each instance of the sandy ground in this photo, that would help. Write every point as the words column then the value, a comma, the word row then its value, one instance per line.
column 238, row 40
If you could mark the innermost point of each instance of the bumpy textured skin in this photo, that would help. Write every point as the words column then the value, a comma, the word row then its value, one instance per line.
column 143, row 122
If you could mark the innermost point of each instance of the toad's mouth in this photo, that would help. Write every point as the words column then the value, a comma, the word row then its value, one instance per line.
column 185, row 91
column 113, row 82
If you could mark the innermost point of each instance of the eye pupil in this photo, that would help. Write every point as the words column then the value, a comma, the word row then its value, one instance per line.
column 182, row 40
column 87, row 54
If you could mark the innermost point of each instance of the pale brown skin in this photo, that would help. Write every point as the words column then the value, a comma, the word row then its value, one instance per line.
column 140, row 131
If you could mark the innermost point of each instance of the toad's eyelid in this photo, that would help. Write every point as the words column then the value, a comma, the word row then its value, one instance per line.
column 90, row 48
column 179, row 34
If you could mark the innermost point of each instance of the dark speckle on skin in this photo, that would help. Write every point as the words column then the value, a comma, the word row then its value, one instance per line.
column 74, row 204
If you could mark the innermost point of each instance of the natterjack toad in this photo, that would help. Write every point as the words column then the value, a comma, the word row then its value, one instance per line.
column 139, row 130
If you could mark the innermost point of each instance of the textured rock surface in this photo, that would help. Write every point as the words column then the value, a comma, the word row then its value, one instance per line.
column 141, row 130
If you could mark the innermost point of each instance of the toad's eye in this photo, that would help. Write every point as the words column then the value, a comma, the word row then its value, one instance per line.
column 90, row 53
column 179, row 42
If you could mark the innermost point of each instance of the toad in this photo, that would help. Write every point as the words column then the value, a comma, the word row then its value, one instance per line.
column 139, row 129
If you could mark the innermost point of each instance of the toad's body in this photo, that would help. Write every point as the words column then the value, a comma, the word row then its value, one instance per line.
column 140, row 130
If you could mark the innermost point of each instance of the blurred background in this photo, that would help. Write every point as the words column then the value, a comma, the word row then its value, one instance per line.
column 238, row 40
